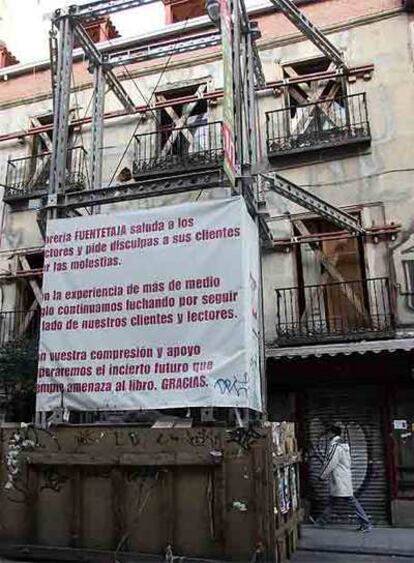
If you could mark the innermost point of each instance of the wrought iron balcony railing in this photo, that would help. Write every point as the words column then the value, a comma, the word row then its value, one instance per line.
column 29, row 176
column 338, row 311
column 178, row 149
column 325, row 124
column 16, row 325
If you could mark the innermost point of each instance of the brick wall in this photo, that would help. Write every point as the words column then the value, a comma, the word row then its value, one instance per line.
column 273, row 25
column 324, row 13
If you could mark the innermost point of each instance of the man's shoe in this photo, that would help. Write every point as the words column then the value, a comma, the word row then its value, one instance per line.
column 365, row 529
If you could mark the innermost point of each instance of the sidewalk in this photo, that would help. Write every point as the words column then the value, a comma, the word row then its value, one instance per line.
column 381, row 541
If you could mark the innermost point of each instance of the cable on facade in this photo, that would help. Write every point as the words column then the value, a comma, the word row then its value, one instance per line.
column 147, row 101
column 79, row 133
column 134, row 82
column 357, row 178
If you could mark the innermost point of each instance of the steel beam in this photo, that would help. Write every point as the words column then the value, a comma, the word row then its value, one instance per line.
column 97, row 128
column 309, row 201
column 61, row 105
column 146, row 188
column 96, row 59
column 257, row 66
column 249, row 27
column 237, row 35
column 300, row 21
column 251, row 96
column 53, row 48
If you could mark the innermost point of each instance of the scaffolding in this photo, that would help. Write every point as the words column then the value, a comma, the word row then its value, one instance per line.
column 247, row 78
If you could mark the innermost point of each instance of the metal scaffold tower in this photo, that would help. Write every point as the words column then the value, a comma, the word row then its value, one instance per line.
column 247, row 76
column 243, row 75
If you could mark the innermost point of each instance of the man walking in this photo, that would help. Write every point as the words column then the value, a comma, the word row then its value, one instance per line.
column 337, row 468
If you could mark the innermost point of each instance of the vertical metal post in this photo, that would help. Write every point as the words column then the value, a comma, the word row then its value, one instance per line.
column 251, row 134
column 60, row 134
column 237, row 85
column 53, row 49
column 246, row 101
column 253, row 126
column 97, row 128
column 61, row 115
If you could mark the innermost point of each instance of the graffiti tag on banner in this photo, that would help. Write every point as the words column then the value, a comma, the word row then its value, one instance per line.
column 151, row 309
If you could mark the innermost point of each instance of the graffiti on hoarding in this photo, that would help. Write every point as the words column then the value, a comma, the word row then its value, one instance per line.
column 53, row 480
column 244, row 437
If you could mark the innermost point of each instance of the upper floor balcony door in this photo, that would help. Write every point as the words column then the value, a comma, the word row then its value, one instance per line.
column 183, row 139
column 331, row 276
column 318, row 112
column 28, row 176
column 334, row 300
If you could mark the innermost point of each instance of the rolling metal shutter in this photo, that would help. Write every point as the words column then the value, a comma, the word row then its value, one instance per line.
column 357, row 411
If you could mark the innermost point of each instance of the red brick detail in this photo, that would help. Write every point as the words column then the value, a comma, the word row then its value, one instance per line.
column 275, row 25
column 6, row 58
column 101, row 29
column 182, row 10
column 324, row 13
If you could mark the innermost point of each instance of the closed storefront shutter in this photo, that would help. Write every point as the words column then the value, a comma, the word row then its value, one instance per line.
column 357, row 411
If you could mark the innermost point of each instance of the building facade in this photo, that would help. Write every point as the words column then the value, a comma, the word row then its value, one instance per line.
column 339, row 309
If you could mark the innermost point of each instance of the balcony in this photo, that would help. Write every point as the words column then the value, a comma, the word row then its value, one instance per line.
column 335, row 312
column 178, row 150
column 15, row 325
column 326, row 124
column 28, row 176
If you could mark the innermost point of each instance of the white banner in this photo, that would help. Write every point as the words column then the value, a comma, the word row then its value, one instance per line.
column 151, row 309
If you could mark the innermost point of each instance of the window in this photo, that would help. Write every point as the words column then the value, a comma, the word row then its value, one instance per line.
column 318, row 113
column 183, row 131
column 182, row 126
column 316, row 106
column 41, row 151
column 345, row 255
column 32, row 261
column 184, row 139
column 332, row 292
column 407, row 256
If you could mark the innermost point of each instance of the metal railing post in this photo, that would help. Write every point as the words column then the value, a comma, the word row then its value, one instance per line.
column 346, row 310
column 317, row 124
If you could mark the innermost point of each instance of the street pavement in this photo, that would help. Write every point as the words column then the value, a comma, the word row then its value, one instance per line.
column 345, row 545
column 318, row 557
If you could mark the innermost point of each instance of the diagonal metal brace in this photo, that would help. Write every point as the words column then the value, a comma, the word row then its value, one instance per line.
column 257, row 64
column 298, row 195
column 96, row 58
column 300, row 21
